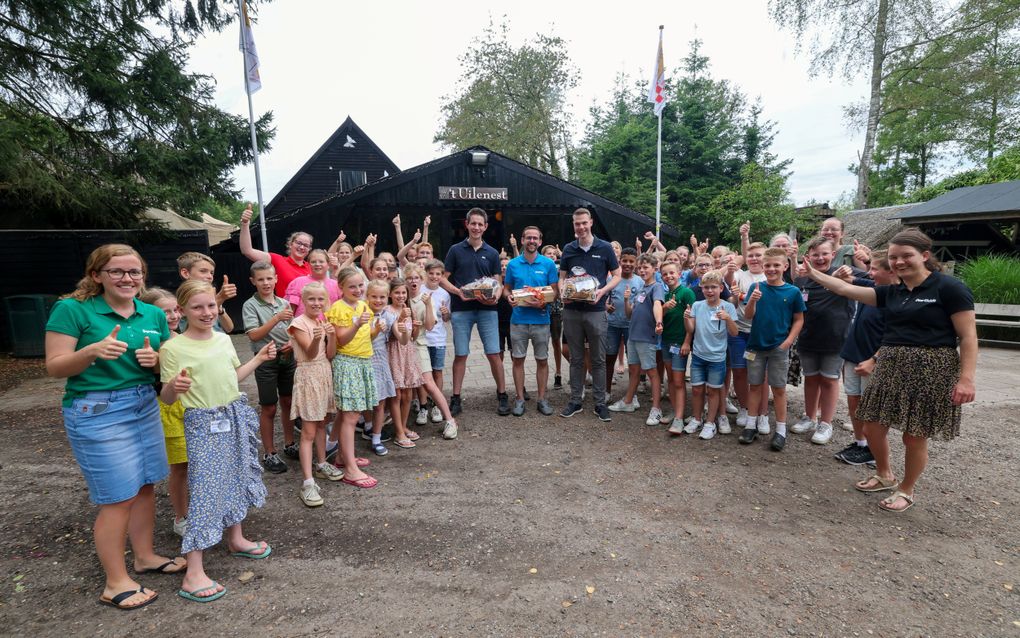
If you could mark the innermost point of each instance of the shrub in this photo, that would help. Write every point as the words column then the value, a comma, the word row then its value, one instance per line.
column 993, row 278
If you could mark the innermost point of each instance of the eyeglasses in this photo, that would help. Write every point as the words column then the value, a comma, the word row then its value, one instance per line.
column 303, row 244
column 119, row 273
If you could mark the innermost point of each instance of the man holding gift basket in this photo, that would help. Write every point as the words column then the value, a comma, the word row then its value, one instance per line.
column 588, row 270
column 529, row 286
column 472, row 279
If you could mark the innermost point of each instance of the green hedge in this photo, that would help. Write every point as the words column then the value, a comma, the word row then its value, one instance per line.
column 993, row 279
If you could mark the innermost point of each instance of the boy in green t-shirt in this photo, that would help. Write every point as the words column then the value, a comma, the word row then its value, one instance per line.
column 678, row 299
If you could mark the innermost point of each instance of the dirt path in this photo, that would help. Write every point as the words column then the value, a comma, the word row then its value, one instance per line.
column 547, row 527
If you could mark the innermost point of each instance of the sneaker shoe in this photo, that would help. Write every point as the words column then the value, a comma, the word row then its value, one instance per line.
column 558, row 383
column 823, row 433
column 297, row 424
column 423, row 417
column 415, row 406
column 653, row 416
column 570, row 410
column 692, row 426
column 384, row 435
column 763, row 424
column 450, row 430
column 858, row 456
column 180, row 526
column 291, row 451
column 642, row 387
column 332, row 450
column 778, row 442
column 380, row 450
column 327, row 472
column 602, row 412
column 435, row 415
column 839, row 455
column 803, row 425
column 747, row 435
column 455, row 407
column 723, row 424
column 518, row 408
column 503, row 408
column 623, row 406
column 846, row 425
column 677, row 427
column 310, row 495
column 730, row 408
column 708, row 431
column 273, row 463
column 741, row 417
column 543, row 407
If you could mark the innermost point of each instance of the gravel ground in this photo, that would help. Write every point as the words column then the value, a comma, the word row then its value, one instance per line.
column 540, row 526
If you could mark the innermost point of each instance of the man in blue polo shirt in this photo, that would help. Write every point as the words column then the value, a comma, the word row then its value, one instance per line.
column 587, row 319
column 530, row 321
column 467, row 261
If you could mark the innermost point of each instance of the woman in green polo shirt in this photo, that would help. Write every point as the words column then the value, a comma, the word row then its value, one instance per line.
column 103, row 340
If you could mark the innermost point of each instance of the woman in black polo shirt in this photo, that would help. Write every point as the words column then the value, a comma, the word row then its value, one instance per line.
column 920, row 380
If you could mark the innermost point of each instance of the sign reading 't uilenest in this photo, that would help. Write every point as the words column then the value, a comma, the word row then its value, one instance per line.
column 472, row 193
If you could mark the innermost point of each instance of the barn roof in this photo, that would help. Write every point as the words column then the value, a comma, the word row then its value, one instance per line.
column 970, row 203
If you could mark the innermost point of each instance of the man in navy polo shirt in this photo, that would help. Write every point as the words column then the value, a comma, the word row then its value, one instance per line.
column 587, row 319
column 467, row 261
column 531, row 321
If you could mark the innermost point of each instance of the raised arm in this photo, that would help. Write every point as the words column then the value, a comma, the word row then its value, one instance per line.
column 400, row 235
column 745, row 237
column 249, row 251
column 425, row 229
column 840, row 287
column 369, row 254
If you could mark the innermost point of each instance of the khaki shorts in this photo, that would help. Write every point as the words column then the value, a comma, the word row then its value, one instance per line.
column 537, row 334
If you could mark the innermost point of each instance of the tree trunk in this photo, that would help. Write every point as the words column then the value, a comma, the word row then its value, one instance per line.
column 993, row 120
column 874, row 105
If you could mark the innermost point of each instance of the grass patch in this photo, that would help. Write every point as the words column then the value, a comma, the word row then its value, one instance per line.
column 992, row 278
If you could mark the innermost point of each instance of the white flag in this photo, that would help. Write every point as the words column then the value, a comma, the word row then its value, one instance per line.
column 657, row 88
column 251, row 56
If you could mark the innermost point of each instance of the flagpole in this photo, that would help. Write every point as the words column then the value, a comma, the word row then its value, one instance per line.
column 658, row 164
column 242, row 14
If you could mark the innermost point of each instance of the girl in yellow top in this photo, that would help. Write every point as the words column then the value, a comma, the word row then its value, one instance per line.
column 353, row 382
column 201, row 368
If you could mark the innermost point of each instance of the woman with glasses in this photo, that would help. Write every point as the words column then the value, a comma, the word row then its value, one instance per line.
column 288, row 267
column 104, row 341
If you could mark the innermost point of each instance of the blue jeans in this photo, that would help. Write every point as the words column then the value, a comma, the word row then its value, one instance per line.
column 704, row 372
column 615, row 335
column 488, row 330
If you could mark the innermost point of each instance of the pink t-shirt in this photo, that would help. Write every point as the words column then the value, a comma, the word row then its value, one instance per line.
column 293, row 292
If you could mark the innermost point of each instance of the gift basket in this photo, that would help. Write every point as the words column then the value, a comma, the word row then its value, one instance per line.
column 481, row 288
column 523, row 296
column 580, row 287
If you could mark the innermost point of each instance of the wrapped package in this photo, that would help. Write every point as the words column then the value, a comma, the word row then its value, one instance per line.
column 526, row 294
column 580, row 288
column 481, row 288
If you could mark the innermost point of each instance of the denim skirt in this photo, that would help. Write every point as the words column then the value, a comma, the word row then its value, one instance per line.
column 117, row 439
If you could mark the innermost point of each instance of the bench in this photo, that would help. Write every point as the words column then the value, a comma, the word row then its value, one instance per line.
column 998, row 316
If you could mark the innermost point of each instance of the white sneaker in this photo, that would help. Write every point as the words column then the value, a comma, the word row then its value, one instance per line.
column 677, row 427
column 805, row 424
column 763, row 424
column 435, row 415
column 847, row 425
column 653, row 416
column 623, row 406
column 708, row 431
column 741, row 417
column 328, row 471
column 180, row 526
column 450, row 430
column 692, row 426
column 730, row 408
column 823, row 433
column 723, row 423
column 422, row 418
column 310, row 495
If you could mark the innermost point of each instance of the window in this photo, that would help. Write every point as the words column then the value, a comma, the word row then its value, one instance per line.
column 352, row 179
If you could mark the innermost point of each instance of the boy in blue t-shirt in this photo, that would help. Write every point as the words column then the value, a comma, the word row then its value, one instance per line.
column 708, row 322
column 645, row 311
column 776, row 312
column 618, row 328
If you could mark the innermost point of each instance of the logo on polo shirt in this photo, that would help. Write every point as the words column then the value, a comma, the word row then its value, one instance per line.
column 925, row 300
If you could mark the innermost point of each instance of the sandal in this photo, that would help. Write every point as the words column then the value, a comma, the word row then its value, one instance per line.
column 407, row 443
column 163, row 569
column 887, row 502
column 412, row 435
column 117, row 600
column 194, row 597
column 255, row 552
column 364, row 482
column 360, row 461
column 875, row 483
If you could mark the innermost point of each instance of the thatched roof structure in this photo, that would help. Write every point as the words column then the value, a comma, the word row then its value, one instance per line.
column 874, row 227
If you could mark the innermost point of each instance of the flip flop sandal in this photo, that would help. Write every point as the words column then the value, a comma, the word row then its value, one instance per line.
column 124, row 595
column 253, row 553
column 404, row 443
column 194, row 597
column 877, row 484
column 360, row 461
column 162, row 569
column 364, row 483
column 887, row 502
column 412, row 435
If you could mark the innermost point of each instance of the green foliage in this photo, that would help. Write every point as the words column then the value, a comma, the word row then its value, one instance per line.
column 709, row 134
column 99, row 117
column 1002, row 168
column 760, row 197
column 229, row 211
column 515, row 103
column 992, row 278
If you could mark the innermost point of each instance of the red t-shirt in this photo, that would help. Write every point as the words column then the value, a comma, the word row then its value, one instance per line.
column 287, row 270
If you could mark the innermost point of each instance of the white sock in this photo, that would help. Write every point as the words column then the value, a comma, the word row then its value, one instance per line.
column 781, row 428
column 368, row 426
column 308, row 482
column 752, row 422
column 376, row 439
column 863, row 443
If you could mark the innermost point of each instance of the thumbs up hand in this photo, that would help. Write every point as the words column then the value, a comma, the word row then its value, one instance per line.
column 110, row 348
column 227, row 291
column 182, row 382
column 147, row 357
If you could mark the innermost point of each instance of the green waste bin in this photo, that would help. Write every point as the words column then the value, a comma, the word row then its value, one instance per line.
column 26, row 323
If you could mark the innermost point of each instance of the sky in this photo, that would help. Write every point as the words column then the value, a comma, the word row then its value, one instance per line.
column 389, row 66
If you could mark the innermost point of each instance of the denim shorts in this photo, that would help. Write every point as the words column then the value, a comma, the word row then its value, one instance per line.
column 640, row 353
column 827, row 364
column 853, row 383
column 735, row 347
column 536, row 333
column 615, row 335
column 676, row 360
column 117, row 439
column 712, row 373
column 488, row 330
column 775, row 362
column 437, row 357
